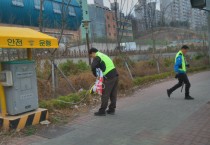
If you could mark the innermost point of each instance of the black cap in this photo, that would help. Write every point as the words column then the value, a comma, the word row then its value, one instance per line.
column 93, row 50
column 185, row 47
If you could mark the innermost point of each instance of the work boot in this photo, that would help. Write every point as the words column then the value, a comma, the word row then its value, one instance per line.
column 100, row 113
column 111, row 112
column 169, row 93
column 189, row 98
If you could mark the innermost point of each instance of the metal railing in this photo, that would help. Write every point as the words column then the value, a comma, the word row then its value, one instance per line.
column 11, row 54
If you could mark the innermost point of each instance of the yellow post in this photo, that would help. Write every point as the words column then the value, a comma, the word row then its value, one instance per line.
column 29, row 53
column 2, row 100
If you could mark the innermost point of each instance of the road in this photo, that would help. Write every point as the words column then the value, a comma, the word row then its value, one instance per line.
column 147, row 117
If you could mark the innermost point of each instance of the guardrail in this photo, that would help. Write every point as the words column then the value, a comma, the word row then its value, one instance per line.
column 11, row 54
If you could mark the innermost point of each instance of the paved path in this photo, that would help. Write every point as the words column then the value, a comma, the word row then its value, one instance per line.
column 148, row 117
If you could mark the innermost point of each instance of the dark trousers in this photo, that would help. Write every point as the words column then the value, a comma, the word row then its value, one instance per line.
column 182, row 79
column 109, row 92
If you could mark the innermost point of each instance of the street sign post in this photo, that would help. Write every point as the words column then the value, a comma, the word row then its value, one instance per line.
column 208, row 11
column 203, row 5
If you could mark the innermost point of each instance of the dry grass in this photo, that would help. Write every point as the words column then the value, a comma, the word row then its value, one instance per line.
column 125, row 81
column 144, row 68
column 83, row 80
column 44, row 89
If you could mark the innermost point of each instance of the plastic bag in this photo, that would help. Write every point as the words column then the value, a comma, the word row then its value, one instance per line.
column 97, row 88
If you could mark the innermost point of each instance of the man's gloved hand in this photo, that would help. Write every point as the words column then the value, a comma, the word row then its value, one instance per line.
column 187, row 65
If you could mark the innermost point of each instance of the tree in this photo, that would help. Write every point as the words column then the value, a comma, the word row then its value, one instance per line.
column 64, row 13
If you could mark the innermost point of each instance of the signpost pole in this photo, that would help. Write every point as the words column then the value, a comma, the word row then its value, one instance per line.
column 29, row 53
column 208, row 8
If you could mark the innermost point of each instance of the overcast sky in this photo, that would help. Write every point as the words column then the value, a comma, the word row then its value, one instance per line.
column 129, row 3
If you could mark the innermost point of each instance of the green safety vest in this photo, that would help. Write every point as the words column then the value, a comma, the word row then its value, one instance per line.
column 108, row 62
column 183, row 68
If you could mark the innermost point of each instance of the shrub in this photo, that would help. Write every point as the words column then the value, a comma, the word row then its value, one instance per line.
column 147, row 79
column 70, row 67
column 125, row 82
column 199, row 56
column 144, row 68
column 64, row 101
column 120, row 61
column 82, row 66
column 168, row 62
column 84, row 80
column 195, row 69
column 151, row 63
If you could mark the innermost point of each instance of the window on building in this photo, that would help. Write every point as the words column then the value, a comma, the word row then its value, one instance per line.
column 18, row 3
column 108, row 17
column 72, row 11
column 110, row 34
column 109, row 26
column 37, row 4
column 56, row 8
column 114, row 26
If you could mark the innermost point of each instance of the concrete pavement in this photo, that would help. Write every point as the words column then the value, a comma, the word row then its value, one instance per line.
column 148, row 117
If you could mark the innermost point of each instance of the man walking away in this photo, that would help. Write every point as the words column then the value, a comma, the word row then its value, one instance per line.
column 110, row 74
column 180, row 68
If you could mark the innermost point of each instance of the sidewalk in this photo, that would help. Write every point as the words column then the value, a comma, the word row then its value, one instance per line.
column 193, row 131
column 148, row 117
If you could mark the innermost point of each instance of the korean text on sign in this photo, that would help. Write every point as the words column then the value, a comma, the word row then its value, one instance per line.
column 15, row 42
column 44, row 43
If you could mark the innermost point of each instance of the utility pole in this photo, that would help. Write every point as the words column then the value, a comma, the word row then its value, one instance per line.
column 88, row 46
column 86, row 26
column 117, row 23
column 208, row 12
column 204, row 5
column 41, row 16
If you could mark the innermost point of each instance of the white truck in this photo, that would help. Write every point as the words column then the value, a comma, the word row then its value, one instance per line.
column 128, row 46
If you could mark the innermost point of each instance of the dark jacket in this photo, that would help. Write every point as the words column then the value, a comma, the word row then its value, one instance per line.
column 97, row 63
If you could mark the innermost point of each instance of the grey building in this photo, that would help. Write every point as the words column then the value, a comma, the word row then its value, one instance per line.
column 170, row 10
column 98, row 21
column 180, row 10
column 124, row 24
column 147, row 15
column 113, row 7
column 198, row 19
column 99, row 2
